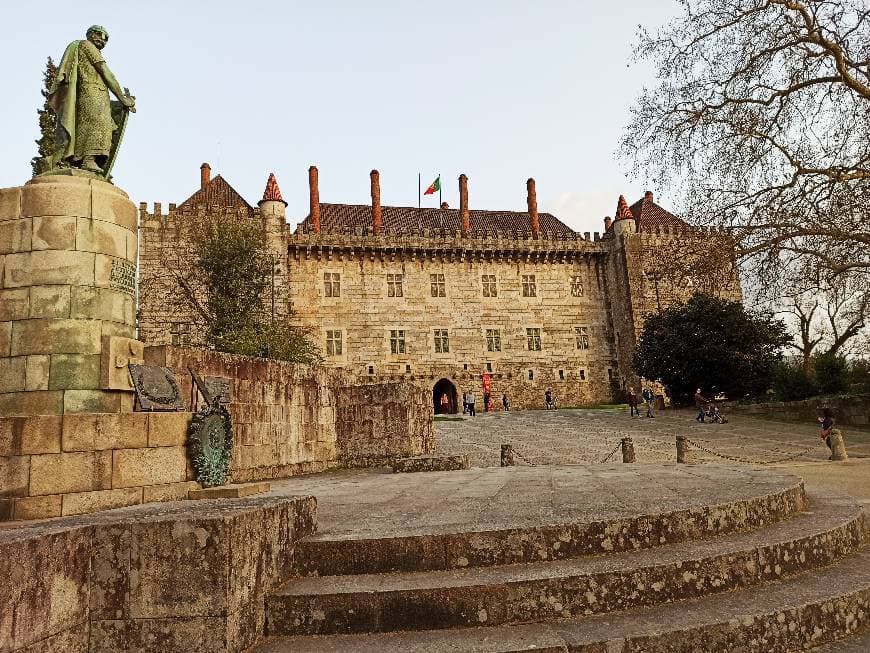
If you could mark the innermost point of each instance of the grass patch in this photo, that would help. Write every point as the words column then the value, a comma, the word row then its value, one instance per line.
column 444, row 418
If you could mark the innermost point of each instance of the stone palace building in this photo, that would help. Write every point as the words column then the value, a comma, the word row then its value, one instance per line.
column 451, row 299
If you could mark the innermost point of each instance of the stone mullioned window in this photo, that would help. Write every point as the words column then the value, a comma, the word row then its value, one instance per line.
column 334, row 342
column 437, row 286
column 394, row 285
column 533, row 339
column 530, row 286
column 442, row 341
column 489, row 285
column 493, row 340
column 581, row 334
column 331, row 284
column 397, row 341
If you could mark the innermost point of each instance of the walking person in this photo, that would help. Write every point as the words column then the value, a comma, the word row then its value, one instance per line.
column 648, row 399
column 464, row 402
column 445, row 403
column 632, row 403
column 486, row 399
column 505, row 404
column 700, row 401
column 471, row 401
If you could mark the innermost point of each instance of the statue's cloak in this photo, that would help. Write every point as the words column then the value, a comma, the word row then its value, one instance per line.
column 62, row 99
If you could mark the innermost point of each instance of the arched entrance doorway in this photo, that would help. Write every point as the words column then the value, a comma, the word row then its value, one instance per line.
column 444, row 387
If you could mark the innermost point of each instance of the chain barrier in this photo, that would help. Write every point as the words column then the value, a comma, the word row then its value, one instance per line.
column 748, row 460
column 610, row 455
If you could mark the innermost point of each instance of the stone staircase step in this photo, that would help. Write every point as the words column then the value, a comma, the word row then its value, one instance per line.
column 516, row 593
column 793, row 614
column 535, row 538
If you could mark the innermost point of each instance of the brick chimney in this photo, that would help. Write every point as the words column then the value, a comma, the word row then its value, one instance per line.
column 314, row 199
column 463, row 204
column 607, row 222
column 377, row 219
column 533, row 207
column 204, row 175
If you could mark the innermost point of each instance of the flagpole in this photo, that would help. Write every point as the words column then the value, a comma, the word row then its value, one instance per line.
column 439, row 190
column 418, row 190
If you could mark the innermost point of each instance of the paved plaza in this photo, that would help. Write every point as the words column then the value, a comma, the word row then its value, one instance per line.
column 592, row 436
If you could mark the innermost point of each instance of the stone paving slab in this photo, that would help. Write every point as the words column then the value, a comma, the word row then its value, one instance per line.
column 589, row 436
column 777, row 617
column 365, row 504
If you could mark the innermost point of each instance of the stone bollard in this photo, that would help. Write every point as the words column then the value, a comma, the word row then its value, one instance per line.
column 838, row 447
column 627, row 450
column 507, row 456
column 682, row 449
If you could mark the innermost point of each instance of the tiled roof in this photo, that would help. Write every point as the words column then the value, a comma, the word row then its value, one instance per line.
column 650, row 215
column 272, row 192
column 217, row 195
column 347, row 218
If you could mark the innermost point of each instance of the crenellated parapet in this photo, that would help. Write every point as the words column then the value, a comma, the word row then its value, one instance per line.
column 445, row 244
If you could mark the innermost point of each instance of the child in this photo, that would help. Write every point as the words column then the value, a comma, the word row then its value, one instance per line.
column 826, row 424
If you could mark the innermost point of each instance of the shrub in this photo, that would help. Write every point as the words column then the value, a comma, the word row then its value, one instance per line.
column 832, row 374
column 790, row 382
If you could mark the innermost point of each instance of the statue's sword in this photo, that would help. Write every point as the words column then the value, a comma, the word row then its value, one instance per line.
column 123, row 126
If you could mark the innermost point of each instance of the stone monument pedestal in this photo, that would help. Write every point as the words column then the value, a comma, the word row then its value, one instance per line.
column 68, row 247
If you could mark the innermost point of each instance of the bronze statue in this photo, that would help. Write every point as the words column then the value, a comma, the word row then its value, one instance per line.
column 89, row 126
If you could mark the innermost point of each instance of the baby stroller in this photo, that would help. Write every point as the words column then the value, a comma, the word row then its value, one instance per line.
column 716, row 417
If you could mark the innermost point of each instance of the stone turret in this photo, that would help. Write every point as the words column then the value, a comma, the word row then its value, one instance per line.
column 624, row 222
column 272, row 203
column 273, row 211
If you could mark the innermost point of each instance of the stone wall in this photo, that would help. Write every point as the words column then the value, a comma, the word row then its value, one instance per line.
column 53, row 465
column 849, row 410
column 287, row 419
column 375, row 424
column 293, row 419
column 175, row 578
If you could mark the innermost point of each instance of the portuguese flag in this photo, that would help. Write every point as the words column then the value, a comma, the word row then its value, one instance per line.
column 434, row 186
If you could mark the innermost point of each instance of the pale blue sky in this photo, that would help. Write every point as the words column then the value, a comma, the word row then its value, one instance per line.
column 501, row 91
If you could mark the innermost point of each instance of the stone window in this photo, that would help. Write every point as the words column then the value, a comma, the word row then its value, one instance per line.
column 530, row 288
column 371, row 369
column 531, row 375
column 407, row 369
column 533, row 338
column 394, row 285
column 489, row 287
column 581, row 333
column 610, row 375
column 331, row 284
column 582, row 375
column 561, row 375
column 576, row 286
column 397, row 341
column 333, row 343
column 489, row 367
column 437, row 284
column 493, row 340
column 442, row 341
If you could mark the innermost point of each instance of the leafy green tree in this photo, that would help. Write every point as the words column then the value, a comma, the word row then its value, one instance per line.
column 45, row 144
column 232, row 273
column 832, row 374
column 792, row 382
column 710, row 343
